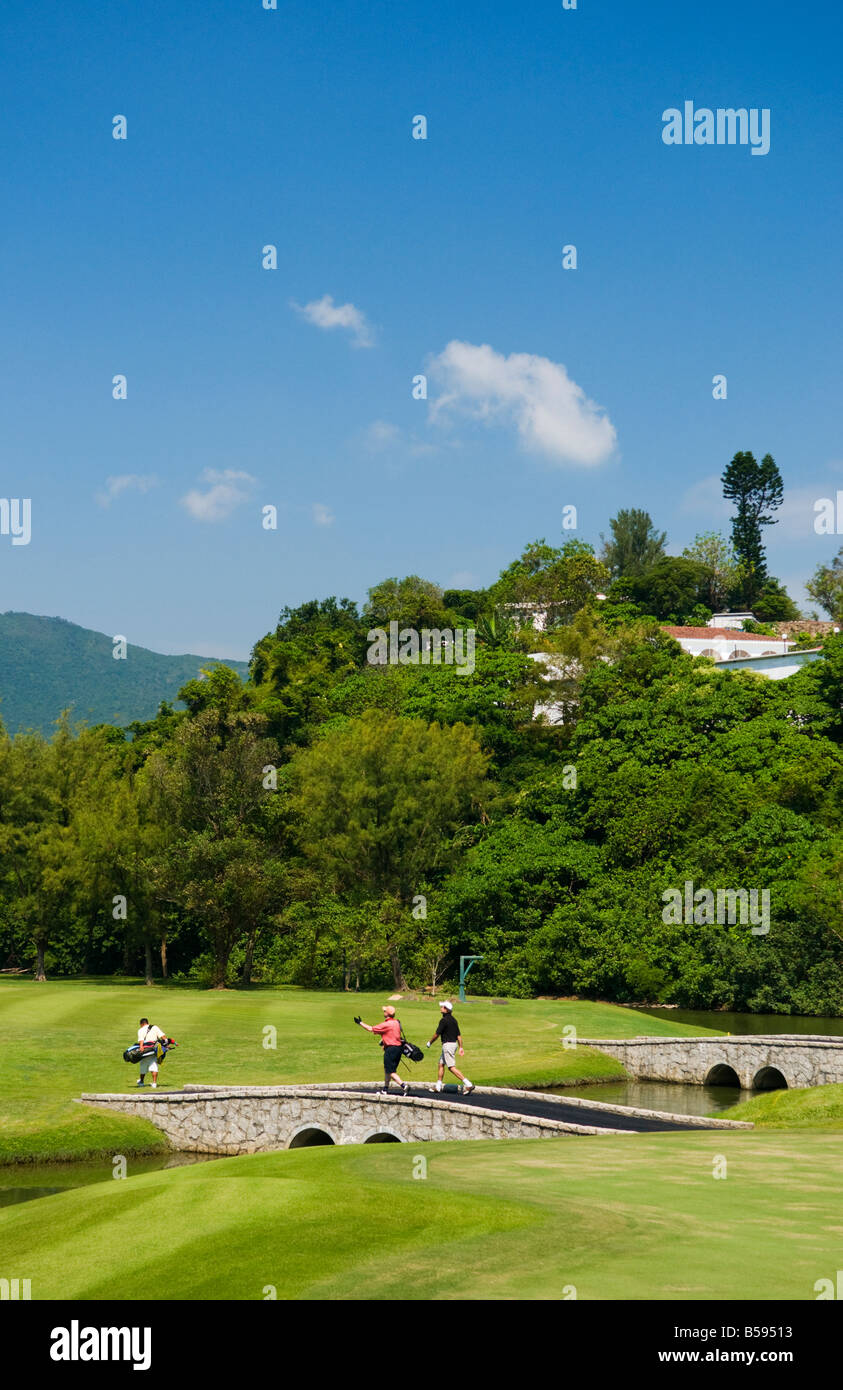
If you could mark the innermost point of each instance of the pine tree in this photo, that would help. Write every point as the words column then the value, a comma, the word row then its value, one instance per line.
column 756, row 489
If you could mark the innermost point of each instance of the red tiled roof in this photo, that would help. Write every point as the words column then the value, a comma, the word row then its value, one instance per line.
column 733, row 633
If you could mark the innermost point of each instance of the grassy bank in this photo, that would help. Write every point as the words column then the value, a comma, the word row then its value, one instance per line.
column 616, row 1217
column 65, row 1037
column 814, row 1107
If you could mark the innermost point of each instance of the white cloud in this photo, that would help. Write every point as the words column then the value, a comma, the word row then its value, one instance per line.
column 324, row 313
column 796, row 516
column 125, row 482
column 381, row 435
column 228, row 489
column 551, row 413
column 322, row 515
column 705, row 501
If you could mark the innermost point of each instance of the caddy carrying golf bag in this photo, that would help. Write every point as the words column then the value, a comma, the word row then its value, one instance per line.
column 138, row 1051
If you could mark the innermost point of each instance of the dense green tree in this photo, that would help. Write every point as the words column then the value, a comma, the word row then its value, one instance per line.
column 635, row 545
column 497, row 630
column 294, row 667
column 326, row 630
column 222, row 860
column 757, row 491
column 410, row 602
column 46, row 788
column 826, row 587
column 672, row 589
column 720, row 563
column 538, row 805
column 217, row 688
column 557, row 581
column 496, row 700
column 683, row 773
column 774, row 604
column 468, row 603
column 376, row 802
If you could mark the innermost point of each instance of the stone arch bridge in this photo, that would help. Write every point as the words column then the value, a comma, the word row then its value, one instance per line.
column 256, row 1119
column 750, row 1060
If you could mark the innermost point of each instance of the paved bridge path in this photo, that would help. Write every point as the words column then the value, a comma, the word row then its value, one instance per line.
column 255, row 1119
column 549, row 1107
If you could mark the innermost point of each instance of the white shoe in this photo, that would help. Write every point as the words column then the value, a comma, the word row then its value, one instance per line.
column 439, row 1085
column 153, row 1086
column 467, row 1088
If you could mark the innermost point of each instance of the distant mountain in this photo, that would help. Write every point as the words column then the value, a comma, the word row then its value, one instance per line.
column 48, row 664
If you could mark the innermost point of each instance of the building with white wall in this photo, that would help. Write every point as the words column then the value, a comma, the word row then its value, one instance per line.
column 775, row 668
column 726, row 643
column 737, row 620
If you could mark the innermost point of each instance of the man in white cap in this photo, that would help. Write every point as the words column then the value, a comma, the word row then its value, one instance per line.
column 449, row 1032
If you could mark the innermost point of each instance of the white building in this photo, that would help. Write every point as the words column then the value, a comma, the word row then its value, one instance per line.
column 776, row 668
column 525, row 614
column 726, row 643
column 731, row 620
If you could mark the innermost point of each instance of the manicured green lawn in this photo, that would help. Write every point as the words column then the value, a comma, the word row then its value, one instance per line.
column 616, row 1217
column 814, row 1107
column 65, row 1037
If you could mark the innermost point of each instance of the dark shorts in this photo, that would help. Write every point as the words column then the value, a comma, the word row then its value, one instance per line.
column 391, row 1057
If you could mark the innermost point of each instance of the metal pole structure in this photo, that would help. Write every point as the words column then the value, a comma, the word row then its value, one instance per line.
column 464, row 969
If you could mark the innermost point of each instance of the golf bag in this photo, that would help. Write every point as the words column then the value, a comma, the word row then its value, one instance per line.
column 138, row 1051
column 409, row 1049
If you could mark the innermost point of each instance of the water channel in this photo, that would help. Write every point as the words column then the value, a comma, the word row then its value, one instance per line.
column 25, row 1182
column 683, row 1099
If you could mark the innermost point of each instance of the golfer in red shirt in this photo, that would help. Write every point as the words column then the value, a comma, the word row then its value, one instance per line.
column 390, row 1036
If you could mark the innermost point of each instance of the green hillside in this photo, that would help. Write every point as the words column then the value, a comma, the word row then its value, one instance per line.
column 49, row 664
column 629, row 1218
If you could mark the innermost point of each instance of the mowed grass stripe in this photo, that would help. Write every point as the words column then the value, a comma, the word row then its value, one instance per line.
column 621, row 1217
column 65, row 1037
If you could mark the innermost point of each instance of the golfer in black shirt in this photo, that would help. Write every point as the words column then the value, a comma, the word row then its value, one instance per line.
column 449, row 1032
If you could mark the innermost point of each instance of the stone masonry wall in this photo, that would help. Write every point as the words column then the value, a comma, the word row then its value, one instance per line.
column 803, row 1059
column 261, row 1118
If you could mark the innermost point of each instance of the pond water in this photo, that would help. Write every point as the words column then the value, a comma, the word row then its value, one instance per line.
column 27, row 1181
column 684, row 1099
column 673, row 1096
column 23, row 1182
column 748, row 1023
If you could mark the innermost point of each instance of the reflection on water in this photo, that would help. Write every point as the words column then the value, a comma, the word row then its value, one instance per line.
column 748, row 1023
column 23, row 1182
column 673, row 1096
column 683, row 1099
column 10, row 1195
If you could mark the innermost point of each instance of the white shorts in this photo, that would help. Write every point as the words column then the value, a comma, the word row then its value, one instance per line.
column 149, row 1064
column 449, row 1054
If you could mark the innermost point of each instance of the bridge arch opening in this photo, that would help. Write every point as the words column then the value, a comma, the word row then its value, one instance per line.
column 722, row 1075
column 383, row 1136
column 310, row 1138
column 769, row 1079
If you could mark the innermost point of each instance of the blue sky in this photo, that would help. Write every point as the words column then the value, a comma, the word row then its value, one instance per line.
column 293, row 127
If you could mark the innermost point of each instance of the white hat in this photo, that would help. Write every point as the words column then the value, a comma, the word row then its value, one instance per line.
column 446, row 1004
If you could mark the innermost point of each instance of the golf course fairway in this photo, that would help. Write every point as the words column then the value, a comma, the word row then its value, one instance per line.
column 616, row 1217
column 65, row 1037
